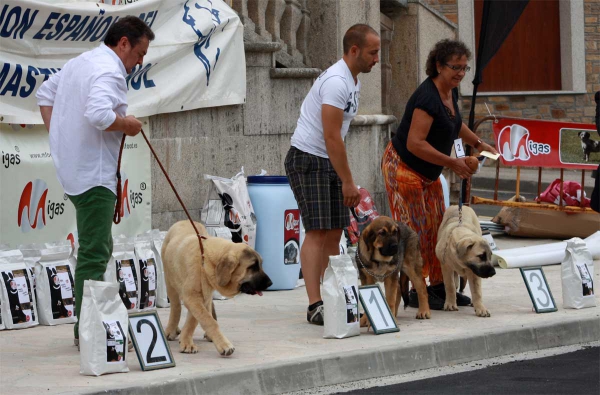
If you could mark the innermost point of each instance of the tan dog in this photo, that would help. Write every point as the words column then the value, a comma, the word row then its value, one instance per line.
column 228, row 267
column 385, row 249
column 462, row 250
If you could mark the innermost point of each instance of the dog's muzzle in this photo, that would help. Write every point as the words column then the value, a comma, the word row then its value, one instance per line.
column 484, row 271
column 255, row 286
column 390, row 249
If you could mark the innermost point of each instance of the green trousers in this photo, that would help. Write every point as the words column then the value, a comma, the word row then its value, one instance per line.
column 94, row 210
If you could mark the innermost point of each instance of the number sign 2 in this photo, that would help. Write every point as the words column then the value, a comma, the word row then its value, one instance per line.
column 149, row 341
column 538, row 289
column 377, row 309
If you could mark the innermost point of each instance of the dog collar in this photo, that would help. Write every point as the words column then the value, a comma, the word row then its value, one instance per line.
column 377, row 276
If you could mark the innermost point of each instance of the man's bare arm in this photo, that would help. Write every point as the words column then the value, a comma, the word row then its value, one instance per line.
column 46, row 112
column 332, row 118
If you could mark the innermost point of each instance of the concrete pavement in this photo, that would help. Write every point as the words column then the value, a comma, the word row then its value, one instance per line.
column 277, row 351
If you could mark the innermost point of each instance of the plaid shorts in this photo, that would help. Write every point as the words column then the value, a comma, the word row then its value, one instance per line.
column 318, row 191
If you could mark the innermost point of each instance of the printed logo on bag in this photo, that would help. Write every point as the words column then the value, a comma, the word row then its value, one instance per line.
column 514, row 144
column 291, row 237
column 148, row 283
column 18, row 290
column 34, row 206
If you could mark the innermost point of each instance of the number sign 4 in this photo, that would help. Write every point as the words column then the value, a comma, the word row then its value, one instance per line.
column 538, row 289
column 149, row 341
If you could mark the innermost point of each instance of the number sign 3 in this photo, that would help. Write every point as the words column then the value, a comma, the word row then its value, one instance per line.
column 149, row 340
column 377, row 309
column 538, row 289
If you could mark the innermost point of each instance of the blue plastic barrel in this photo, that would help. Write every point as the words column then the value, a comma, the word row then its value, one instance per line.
column 277, row 229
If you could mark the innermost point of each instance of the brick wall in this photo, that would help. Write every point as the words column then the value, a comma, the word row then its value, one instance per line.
column 570, row 108
column 447, row 8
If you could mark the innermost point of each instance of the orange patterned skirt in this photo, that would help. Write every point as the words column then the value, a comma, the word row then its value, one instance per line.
column 419, row 203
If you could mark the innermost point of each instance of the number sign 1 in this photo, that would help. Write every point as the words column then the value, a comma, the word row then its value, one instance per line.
column 377, row 309
column 538, row 289
column 150, row 342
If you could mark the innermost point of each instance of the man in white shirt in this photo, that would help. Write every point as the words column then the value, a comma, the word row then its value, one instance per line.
column 317, row 164
column 84, row 108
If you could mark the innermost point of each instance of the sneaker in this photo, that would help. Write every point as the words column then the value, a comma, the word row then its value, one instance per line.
column 315, row 316
column 440, row 291
column 435, row 303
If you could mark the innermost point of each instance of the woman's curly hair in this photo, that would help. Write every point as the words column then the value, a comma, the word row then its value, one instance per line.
column 442, row 52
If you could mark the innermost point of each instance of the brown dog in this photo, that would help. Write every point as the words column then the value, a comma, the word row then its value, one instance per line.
column 228, row 267
column 385, row 249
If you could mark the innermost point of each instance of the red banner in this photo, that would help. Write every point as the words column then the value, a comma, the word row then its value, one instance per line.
column 536, row 143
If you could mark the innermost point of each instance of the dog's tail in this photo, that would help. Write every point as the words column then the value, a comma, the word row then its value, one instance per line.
column 404, row 288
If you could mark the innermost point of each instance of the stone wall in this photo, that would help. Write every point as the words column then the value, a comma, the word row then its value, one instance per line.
column 219, row 141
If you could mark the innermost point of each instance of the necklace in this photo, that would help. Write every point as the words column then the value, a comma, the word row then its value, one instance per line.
column 377, row 276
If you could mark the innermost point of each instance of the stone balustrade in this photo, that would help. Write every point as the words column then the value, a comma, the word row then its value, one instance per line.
column 284, row 21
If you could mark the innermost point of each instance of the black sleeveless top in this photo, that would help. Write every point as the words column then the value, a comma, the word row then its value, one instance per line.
column 442, row 133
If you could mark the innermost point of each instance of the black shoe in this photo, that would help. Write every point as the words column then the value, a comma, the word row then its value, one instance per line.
column 435, row 303
column 315, row 316
column 440, row 291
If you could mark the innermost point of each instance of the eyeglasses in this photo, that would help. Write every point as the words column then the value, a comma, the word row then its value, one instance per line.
column 457, row 68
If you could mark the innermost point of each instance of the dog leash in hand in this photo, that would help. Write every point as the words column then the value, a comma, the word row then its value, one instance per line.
column 118, row 208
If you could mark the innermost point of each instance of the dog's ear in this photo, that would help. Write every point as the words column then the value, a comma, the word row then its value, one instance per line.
column 400, row 226
column 369, row 235
column 225, row 269
column 463, row 246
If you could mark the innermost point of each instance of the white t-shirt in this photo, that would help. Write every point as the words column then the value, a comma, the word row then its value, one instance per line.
column 86, row 95
column 334, row 87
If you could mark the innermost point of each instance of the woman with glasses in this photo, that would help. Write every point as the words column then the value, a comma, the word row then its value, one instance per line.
column 421, row 148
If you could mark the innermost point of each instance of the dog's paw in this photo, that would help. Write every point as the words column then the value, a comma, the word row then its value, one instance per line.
column 364, row 321
column 172, row 334
column 208, row 339
column 450, row 307
column 188, row 347
column 225, row 349
column 421, row 315
column 482, row 312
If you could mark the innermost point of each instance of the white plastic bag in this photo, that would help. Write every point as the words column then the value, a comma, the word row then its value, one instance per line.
column 162, row 299
column 56, row 286
column 102, row 330
column 340, row 298
column 31, row 255
column 147, row 278
column 228, row 205
column 18, row 299
column 578, row 276
column 122, row 269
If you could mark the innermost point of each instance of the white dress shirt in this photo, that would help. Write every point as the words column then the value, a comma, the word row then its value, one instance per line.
column 86, row 95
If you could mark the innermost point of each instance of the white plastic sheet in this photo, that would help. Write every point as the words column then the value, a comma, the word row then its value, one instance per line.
column 541, row 255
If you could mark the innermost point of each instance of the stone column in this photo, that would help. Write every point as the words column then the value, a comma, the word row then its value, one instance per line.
column 303, row 34
column 241, row 7
column 290, row 22
column 256, row 12
column 274, row 12
column 387, row 30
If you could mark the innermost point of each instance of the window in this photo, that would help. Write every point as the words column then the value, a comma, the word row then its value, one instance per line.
column 529, row 58
column 543, row 54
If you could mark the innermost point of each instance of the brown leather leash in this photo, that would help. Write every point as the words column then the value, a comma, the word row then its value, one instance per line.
column 117, row 215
